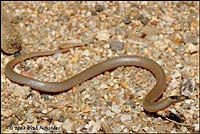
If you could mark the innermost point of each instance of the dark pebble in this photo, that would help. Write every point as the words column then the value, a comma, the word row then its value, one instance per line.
column 109, row 103
column 93, row 12
column 65, row 18
column 17, row 19
column 40, row 9
column 45, row 97
column 174, row 117
column 26, row 68
column 131, row 103
column 127, row 21
column 134, row 5
column 17, row 54
column 143, row 19
column 61, row 118
column 99, row 8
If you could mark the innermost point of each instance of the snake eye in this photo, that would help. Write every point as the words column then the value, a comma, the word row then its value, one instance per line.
column 177, row 98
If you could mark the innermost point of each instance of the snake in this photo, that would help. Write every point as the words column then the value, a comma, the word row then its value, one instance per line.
column 151, row 101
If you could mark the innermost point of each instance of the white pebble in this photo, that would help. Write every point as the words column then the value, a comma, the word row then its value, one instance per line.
column 188, row 101
column 44, row 111
column 173, row 131
column 125, row 118
column 116, row 109
column 91, row 123
column 103, row 86
column 176, row 74
column 109, row 113
column 160, row 62
column 86, row 53
column 178, row 66
column 196, row 127
column 96, row 127
column 174, row 83
column 57, row 123
column 191, row 48
column 103, row 35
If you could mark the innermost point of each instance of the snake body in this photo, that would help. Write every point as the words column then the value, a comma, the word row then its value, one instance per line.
column 150, row 102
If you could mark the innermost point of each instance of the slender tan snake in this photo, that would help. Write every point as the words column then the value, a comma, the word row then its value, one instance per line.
column 150, row 102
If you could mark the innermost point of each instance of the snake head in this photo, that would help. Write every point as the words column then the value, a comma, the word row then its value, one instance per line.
column 177, row 98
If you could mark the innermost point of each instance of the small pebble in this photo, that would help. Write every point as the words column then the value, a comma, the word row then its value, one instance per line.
column 125, row 118
column 116, row 45
column 116, row 109
column 127, row 21
column 44, row 111
column 6, row 112
column 103, row 86
column 58, row 124
column 17, row 54
column 109, row 103
column 167, row 18
column 173, row 131
column 191, row 48
column 93, row 12
column 26, row 68
column 187, row 87
column 135, row 5
column 176, row 74
column 196, row 127
column 68, row 126
column 55, row 114
column 177, row 38
column 40, row 9
column 22, row 92
column 131, row 103
column 174, row 83
column 31, row 118
column 109, row 113
column 61, row 118
column 116, row 129
column 190, row 38
column 45, row 97
column 143, row 19
column 96, row 126
column 186, row 106
column 88, row 39
column 99, row 8
column 103, row 35
column 72, row 42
